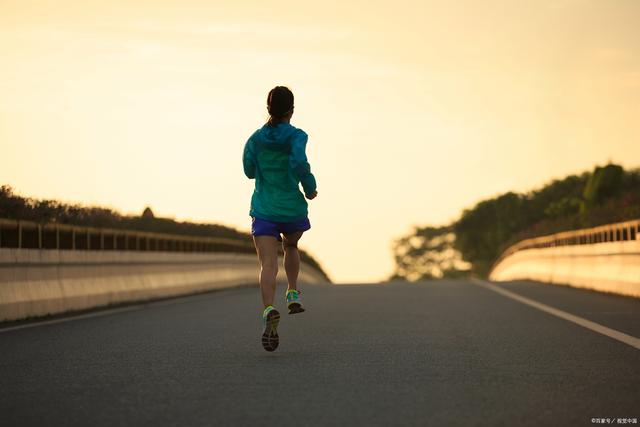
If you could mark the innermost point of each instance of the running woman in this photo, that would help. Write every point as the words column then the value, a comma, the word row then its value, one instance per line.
column 275, row 157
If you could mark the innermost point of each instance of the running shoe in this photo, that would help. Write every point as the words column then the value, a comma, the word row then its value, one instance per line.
column 294, row 304
column 270, row 320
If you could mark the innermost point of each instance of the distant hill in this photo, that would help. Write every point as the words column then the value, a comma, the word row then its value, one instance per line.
column 13, row 206
column 471, row 244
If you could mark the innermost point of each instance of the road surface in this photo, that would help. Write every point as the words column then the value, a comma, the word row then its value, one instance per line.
column 433, row 353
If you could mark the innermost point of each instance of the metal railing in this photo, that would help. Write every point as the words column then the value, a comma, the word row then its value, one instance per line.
column 31, row 235
column 619, row 232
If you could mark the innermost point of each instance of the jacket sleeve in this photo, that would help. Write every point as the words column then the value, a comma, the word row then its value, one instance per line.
column 248, row 160
column 299, row 164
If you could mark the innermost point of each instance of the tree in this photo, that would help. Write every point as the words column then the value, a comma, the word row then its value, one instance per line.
column 483, row 232
column 605, row 182
column 428, row 253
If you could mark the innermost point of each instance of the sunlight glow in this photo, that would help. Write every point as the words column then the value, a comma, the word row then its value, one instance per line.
column 415, row 109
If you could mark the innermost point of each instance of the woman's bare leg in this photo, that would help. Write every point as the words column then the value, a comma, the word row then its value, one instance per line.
column 267, row 248
column 292, row 258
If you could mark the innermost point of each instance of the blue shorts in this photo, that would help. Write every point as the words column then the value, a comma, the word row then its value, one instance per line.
column 261, row 227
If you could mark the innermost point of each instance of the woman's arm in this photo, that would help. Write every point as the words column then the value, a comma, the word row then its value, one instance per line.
column 248, row 160
column 299, row 164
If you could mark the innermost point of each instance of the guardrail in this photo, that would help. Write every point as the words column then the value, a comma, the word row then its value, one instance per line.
column 619, row 232
column 21, row 234
column 604, row 258
column 55, row 268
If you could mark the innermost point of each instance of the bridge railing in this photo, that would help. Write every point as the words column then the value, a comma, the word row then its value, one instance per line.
column 54, row 268
column 604, row 258
column 22, row 234
column 619, row 232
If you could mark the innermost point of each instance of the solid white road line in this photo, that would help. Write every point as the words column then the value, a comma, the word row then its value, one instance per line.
column 596, row 327
column 100, row 313
column 108, row 311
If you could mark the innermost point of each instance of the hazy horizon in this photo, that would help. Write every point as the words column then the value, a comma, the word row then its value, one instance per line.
column 414, row 110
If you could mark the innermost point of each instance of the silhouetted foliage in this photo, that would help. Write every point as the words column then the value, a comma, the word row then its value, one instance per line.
column 608, row 194
column 602, row 184
column 148, row 213
column 13, row 206
column 428, row 253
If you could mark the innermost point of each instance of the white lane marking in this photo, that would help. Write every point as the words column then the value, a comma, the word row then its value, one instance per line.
column 596, row 327
column 76, row 317
column 136, row 306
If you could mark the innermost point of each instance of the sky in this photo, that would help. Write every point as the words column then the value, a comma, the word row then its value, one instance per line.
column 415, row 110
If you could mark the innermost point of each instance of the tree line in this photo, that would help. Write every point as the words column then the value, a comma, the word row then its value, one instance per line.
column 14, row 206
column 473, row 242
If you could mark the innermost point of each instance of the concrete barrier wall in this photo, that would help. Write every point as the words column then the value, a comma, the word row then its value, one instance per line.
column 36, row 282
column 606, row 266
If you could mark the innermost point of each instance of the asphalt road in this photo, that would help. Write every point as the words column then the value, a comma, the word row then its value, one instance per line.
column 434, row 353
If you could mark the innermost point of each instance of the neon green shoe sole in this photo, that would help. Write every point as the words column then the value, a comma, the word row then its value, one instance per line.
column 270, row 339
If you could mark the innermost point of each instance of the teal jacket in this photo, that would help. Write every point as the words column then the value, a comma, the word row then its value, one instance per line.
column 275, row 157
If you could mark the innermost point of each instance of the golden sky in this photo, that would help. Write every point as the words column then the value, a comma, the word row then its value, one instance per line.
column 414, row 109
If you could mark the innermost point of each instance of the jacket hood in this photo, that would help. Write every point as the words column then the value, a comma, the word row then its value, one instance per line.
column 275, row 136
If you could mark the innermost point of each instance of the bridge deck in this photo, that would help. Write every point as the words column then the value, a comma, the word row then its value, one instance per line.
column 435, row 353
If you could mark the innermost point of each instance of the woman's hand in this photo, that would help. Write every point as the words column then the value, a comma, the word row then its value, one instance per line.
column 312, row 195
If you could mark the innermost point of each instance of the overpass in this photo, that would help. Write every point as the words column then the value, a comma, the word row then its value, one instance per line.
column 465, row 352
